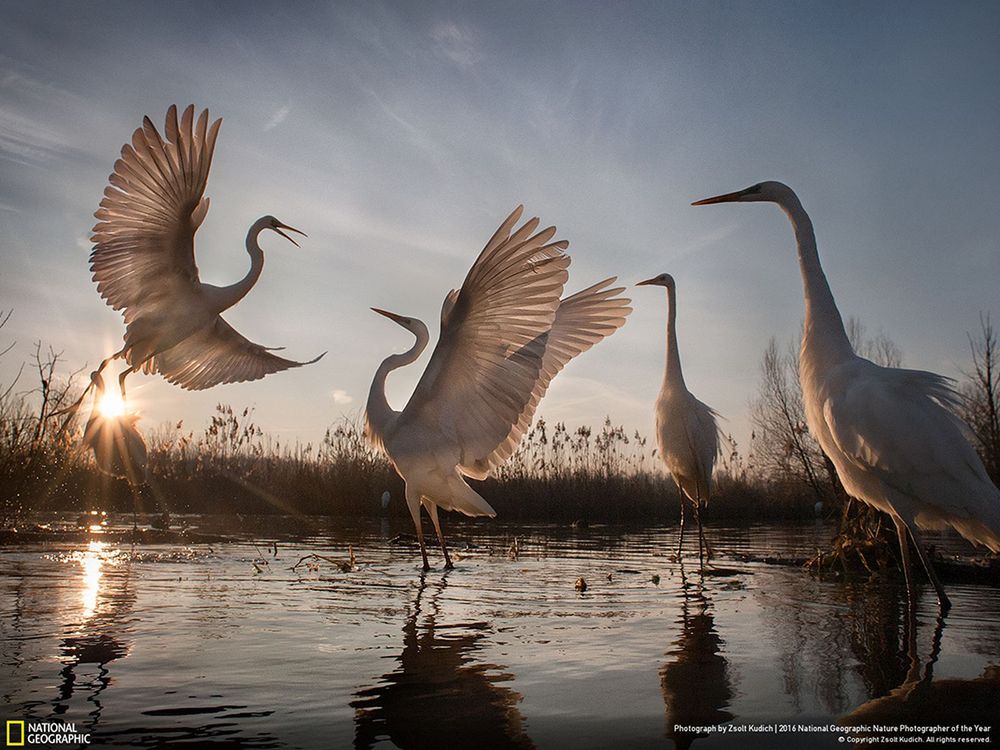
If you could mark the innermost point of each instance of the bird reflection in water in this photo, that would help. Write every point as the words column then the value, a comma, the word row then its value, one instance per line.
column 106, row 602
column 695, row 679
column 438, row 695
column 921, row 700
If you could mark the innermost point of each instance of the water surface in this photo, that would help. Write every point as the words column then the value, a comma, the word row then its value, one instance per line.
column 155, row 644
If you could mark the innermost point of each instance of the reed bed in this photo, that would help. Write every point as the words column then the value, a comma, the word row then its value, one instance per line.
column 231, row 465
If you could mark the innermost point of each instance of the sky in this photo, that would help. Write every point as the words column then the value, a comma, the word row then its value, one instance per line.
column 400, row 135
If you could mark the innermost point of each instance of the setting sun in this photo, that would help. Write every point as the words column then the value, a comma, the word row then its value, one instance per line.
column 111, row 404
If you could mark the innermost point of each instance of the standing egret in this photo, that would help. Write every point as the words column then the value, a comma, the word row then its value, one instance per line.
column 686, row 432
column 111, row 433
column 891, row 433
column 118, row 448
column 504, row 336
column 143, row 262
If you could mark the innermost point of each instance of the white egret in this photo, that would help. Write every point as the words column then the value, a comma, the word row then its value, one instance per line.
column 113, row 437
column 891, row 433
column 504, row 336
column 686, row 432
column 111, row 433
column 143, row 262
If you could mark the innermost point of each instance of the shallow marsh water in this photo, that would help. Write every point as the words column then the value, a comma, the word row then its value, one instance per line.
column 225, row 643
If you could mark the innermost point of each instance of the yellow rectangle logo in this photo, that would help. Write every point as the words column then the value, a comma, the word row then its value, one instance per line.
column 15, row 725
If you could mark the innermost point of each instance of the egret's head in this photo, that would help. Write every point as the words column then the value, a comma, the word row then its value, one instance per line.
column 413, row 325
column 97, row 381
column 771, row 192
column 269, row 222
column 664, row 279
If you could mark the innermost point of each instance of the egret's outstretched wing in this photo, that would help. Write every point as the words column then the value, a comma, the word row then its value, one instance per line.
column 581, row 321
column 891, row 422
column 493, row 339
column 217, row 354
column 143, row 257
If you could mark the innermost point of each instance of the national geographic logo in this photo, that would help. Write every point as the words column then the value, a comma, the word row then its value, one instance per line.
column 22, row 733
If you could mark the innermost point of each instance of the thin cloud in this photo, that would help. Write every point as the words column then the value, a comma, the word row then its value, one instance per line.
column 458, row 43
column 278, row 117
column 341, row 397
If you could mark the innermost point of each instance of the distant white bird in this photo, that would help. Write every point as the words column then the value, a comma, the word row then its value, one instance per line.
column 118, row 447
column 891, row 433
column 143, row 262
column 504, row 336
column 686, row 431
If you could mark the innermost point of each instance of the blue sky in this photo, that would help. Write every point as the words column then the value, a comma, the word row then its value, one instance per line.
column 398, row 136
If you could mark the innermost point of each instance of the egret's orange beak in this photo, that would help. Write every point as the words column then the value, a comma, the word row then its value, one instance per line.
column 648, row 282
column 279, row 226
column 391, row 316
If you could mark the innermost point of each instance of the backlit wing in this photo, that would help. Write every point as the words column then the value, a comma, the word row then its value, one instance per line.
column 218, row 354
column 143, row 256
column 582, row 320
column 494, row 334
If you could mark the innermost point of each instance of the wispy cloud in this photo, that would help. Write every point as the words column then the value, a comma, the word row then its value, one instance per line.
column 278, row 117
column 458, row 43
column 26, row 140
column 341, row 397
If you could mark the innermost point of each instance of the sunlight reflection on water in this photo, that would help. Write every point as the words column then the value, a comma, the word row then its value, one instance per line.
column 227, row 642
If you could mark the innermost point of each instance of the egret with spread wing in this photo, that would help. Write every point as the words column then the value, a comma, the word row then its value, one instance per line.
column 143, row 262
column 504, row 335
column 686, row 432
column 892, row 434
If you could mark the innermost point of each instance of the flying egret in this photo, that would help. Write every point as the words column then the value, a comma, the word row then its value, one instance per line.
column 504, row 336
column 686, row 431
column 891, row 433
column 143, row 262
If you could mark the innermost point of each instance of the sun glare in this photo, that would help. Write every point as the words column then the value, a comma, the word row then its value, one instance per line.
column 111, row 404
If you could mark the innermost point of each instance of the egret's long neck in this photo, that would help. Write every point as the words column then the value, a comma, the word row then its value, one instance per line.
column 228, row 296
column 672, row 377
column 824, row 331
column 378, row 413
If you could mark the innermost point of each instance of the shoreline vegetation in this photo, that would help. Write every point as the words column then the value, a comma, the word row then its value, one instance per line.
column 558, row 474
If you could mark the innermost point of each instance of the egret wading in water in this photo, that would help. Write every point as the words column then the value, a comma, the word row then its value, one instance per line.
column 118, row 448
column 504, row 335
column 686, row 432
column 143, row 262
column 892, row 434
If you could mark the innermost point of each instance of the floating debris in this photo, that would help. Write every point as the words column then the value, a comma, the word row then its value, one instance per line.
column 655, row 579
column 345, row 566
column 514, row 550
column 581, row 584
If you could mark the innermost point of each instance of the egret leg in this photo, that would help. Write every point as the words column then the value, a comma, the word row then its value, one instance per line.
column 413, row 503
column 433, row 511
column 943, row 601
column 702, row 539
column 121, row 380
column 904, row 550
column 701, row 535
column 680, row 541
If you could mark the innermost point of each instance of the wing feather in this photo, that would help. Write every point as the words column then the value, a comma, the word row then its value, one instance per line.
column 582, row 320
column 493, row 339
column 218, row 354
column 143, row 255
